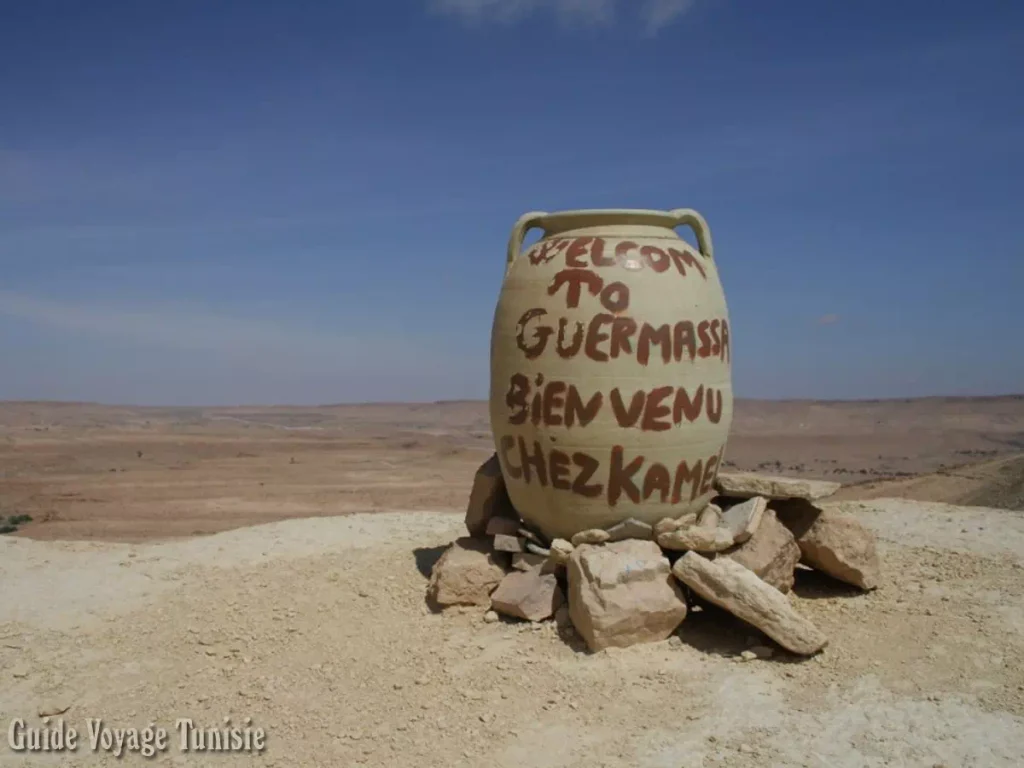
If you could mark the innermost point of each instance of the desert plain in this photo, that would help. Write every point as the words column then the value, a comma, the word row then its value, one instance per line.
column 270, row 563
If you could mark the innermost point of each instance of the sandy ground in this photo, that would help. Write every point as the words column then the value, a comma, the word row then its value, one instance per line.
column 318, row 631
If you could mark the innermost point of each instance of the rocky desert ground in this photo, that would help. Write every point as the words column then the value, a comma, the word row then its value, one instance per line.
column 172, row 570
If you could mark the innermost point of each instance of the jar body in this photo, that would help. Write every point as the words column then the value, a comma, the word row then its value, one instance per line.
column 611, row 384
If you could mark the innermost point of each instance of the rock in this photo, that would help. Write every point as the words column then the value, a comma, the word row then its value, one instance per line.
column 710, row 516
column 835, row 544
column 623, row 593
column 667, row 524
column 487, row 498
column 744, row 485
column 531, row 595
column 743, row 519
column 591, row 536
column 490, row 617
column 771, row 553
column 53, row 708
column 562, row 618
column 500, row 525
column 762, row 651
column 630, row 529
column 738, row 590
column 748, row 655
column 561, row 550
column 466, row 573
column 505, row 543
column 525, row 561
column 697, row 539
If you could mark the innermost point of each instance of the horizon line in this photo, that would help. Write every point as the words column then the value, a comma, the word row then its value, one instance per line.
column 361, row 403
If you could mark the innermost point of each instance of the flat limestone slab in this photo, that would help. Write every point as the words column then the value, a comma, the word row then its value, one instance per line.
column 697, row 539
column 738, row 590
column 746, row 485
column 630, row 529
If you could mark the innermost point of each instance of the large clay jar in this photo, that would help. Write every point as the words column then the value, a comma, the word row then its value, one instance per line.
column 611, row 381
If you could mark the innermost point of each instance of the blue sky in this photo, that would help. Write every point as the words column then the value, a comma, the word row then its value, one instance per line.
column 308, row 202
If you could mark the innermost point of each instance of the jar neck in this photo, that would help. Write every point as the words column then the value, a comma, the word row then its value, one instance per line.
column 625, row 222
column 624, row 231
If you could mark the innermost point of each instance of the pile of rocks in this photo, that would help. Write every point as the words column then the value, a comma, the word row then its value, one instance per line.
column 634, row 582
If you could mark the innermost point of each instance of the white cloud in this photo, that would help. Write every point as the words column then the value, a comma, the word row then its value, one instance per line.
column 661, row 13
column 655, row 14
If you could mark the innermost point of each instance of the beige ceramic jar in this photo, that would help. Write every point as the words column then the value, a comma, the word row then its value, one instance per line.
column 611, row 384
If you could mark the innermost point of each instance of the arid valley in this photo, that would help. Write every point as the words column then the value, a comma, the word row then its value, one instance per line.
column 138, row 474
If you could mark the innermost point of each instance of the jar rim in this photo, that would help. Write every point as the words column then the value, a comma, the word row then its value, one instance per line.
column 560, row 221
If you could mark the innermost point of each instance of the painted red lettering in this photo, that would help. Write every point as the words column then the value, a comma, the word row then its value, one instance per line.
column 649, row 335
column 714, row 405
column 655, row 410
column 575, row 410
column 515, row 399
column 656, row 258
column 507, row 443
column 657, row 479
column 710, row 472
column 615, row 297
column 704, row 335
column 627, row 417
column 576, row 279
column 572, row 349
column 595, row 336
column 554, row 400
column 683, row 259
column 541, row 334
column 620, row 477
column 597, row 254
column 687, row 474
column 623, row 329
column 588, row 466
column 545, row 251
column 536, row 402
column 558, row 466
column 683, row 338
column 577, row 249
column 622, row 248
column 685, row 406
column 535, row 460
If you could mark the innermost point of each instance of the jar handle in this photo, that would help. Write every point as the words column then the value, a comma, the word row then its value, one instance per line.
column 525, row 223
column 690, row 218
